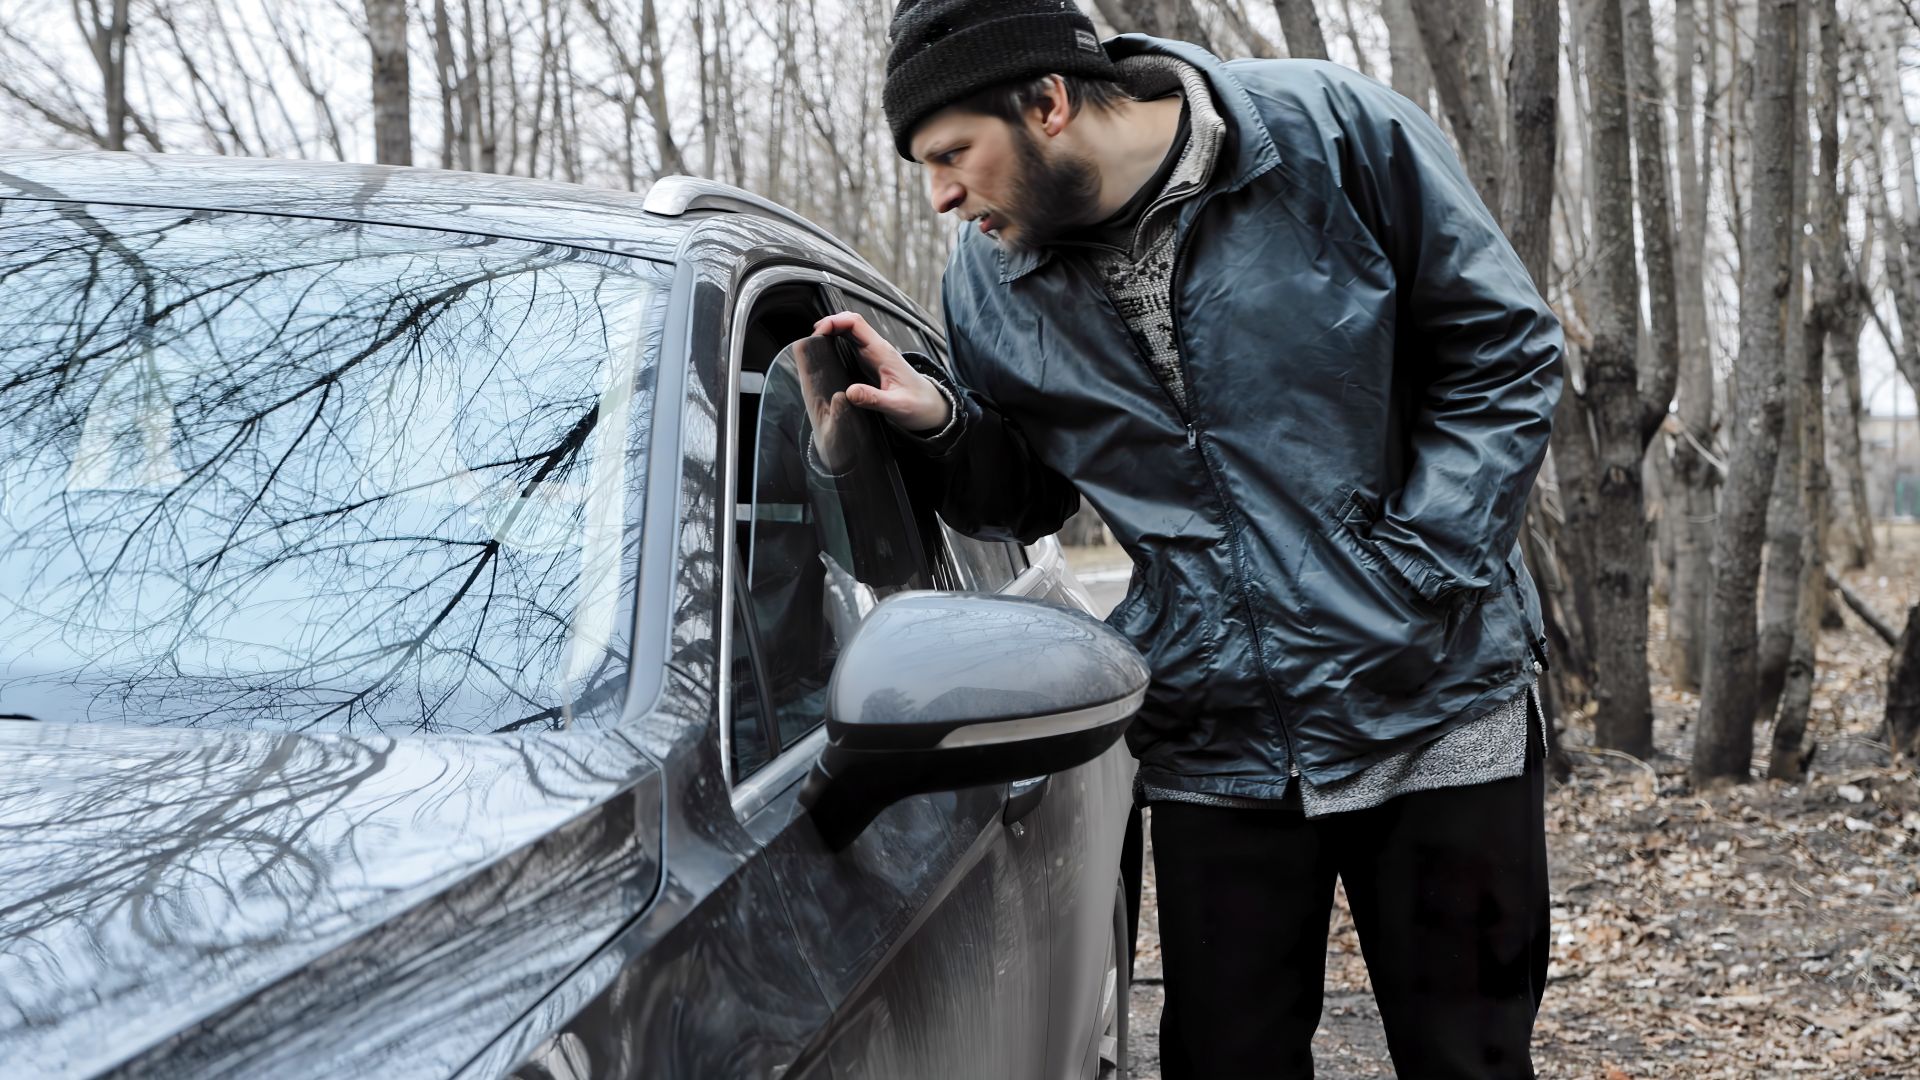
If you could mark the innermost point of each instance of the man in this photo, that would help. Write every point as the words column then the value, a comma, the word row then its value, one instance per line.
column 1255, row 313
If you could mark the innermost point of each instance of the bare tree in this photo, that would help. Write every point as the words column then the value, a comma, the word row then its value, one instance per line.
column 1455, row 33
column 1162, row 18
column 1903, row 690
column 392, row 101
column 1624, row 405
column 1789, row 518
column 106, row 35
column 1723, row 738
column 1833, row 324
column 1412, row 75
column 1533, row 101
column 1696, row 474
column 1300, row 25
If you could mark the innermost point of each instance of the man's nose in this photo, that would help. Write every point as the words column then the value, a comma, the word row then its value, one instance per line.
column 945, row 195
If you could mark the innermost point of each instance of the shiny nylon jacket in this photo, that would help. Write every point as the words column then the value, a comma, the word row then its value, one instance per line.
column 1324, row 544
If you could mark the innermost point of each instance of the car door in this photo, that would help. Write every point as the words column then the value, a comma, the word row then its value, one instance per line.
column 928, row 935
column 1081, row 816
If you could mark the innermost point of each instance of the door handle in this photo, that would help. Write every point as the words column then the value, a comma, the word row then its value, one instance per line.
column 1023, row 796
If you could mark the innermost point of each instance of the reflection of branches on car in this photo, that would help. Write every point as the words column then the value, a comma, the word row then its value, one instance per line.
column 376, row 445
column 212, row 852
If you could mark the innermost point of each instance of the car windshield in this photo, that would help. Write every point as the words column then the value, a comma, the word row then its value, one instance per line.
column 305, row 475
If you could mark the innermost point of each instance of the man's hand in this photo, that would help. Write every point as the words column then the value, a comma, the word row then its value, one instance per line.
column 828, row 410
column 903, row 395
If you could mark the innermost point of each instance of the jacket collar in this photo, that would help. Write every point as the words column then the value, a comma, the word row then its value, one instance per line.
column 1253, row 151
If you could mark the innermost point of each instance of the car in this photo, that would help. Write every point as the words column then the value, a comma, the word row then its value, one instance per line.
column 434, row 649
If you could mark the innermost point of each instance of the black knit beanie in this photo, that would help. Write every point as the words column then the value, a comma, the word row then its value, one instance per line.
column 942, row 51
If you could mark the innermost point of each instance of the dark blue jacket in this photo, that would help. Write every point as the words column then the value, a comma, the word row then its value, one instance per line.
column 1326, row 566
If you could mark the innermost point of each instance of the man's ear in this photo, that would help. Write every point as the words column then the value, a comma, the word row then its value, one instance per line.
column 1055, row 109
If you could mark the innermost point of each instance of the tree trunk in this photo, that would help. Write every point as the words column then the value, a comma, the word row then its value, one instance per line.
column 1300, row 25
column 1618, row 415
column 1412, row 75
column 1788, row 516
column 654, row 91
column 1903, row 690
column 1723, row 736
column 1851, row 545
column 1533, row 102
column 1162, row 18
column 1655, row 201
column 107, row 41
column 392, row 101
column 1902, row 232
column 1790, row 755
column 1353, row 36
column 1831, row 286
column 1695, row 476
column 1455, row 34
column 446, row 75
column 1656, row 480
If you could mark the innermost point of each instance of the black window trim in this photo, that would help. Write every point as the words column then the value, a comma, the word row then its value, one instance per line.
column 790, row 765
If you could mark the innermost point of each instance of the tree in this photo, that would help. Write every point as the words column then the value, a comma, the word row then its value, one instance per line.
column 1533, row 103
column 1832, row 324
column 1177, row 19
column 392, row 102
column 1455, row 33
column 1696, row 472
column 1300, row 25
column 1723, row 738
column 1903, row 690
column 1624, row 405
column 1789, row 518
column 1412, row 75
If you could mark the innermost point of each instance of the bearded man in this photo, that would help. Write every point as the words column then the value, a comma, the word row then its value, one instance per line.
column 1255, row 313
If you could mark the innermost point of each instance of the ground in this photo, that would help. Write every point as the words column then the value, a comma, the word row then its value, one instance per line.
column 1764, row 930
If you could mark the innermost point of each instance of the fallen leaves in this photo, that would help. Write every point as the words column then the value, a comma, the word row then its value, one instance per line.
column 1757, row 930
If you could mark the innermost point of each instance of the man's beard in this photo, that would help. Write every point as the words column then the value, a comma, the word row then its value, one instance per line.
column 1048, row 198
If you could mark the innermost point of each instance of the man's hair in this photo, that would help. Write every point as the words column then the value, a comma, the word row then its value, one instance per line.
column 1010, row 100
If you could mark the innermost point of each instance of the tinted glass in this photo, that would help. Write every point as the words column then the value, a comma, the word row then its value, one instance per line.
column 829, row 535
column 985, row 566
column 290, row 474
column 988, row 566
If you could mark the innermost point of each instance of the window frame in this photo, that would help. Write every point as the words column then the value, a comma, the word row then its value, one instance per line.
column 754, row 792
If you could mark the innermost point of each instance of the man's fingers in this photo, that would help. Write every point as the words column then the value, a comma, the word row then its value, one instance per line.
column 874, row 349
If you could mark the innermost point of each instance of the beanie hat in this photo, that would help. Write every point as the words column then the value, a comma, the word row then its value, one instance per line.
column 943, row 51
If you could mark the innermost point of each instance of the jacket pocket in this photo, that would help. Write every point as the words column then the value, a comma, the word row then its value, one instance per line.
column 1165, row 618
column 1394, row 641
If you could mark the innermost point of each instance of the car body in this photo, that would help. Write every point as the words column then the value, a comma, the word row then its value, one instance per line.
column 389, row 547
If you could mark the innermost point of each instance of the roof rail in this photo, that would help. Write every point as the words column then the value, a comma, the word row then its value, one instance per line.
column 671, row 196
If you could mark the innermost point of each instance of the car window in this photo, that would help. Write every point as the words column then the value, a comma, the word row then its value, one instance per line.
column 293, row 474
column 989, row 566
column 984, row 566
column 824, row 531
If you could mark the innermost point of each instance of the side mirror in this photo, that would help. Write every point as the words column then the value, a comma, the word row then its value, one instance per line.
column 942, row 691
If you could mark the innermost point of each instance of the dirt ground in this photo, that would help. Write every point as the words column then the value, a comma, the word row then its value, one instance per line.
column 1766, row 930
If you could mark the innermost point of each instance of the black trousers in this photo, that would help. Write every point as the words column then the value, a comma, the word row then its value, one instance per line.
column 1449, row 893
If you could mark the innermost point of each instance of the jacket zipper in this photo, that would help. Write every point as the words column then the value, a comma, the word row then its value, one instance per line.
column 1220, row 492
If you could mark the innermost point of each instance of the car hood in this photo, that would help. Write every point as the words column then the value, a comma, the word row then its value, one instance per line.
column 230, row 900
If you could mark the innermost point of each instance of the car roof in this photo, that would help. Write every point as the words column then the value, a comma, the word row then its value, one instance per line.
column 648, row 224
column 487, row 203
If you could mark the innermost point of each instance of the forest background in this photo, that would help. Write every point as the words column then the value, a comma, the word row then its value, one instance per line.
column 1720, row 199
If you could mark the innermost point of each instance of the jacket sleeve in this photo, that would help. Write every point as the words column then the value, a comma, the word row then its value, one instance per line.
column 1475, row 336
column 980, row 470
